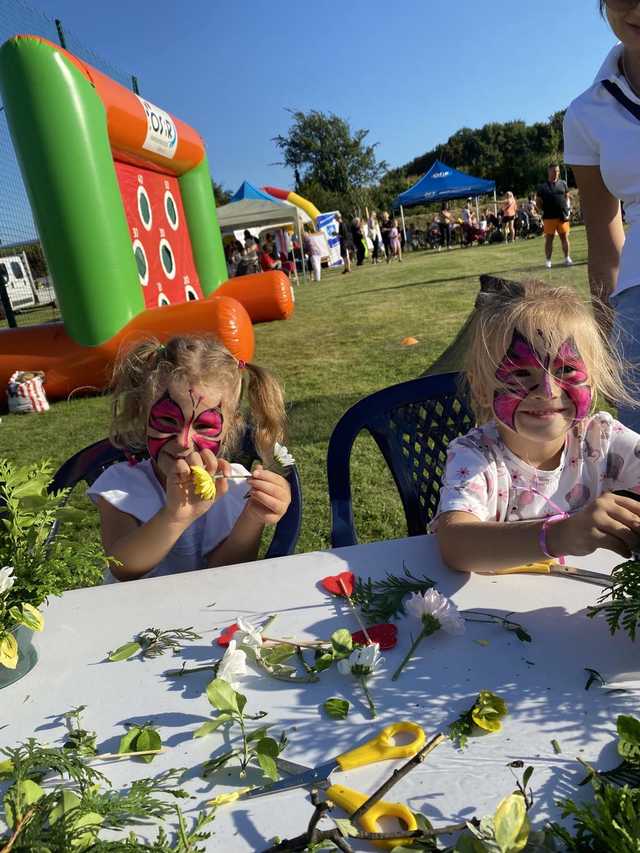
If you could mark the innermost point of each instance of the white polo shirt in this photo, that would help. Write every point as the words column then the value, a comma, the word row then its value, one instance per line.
column 598, row 131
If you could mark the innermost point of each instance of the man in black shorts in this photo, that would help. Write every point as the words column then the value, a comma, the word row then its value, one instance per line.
column 553, row 200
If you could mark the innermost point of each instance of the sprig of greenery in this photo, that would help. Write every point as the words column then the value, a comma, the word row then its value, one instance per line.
column 255, row 745
column 66, row 819
column 507, row 623
column 80, row 740
column 611, row 822
column 621, row 601
column 153, row 642
column 43, row 564
column 381, row 600
column 486, row 713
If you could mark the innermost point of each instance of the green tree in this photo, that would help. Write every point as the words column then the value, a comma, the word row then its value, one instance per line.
column 221, row 195
column 322, row 149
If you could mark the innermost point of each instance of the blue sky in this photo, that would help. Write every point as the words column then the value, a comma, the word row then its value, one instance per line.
column 412, row 75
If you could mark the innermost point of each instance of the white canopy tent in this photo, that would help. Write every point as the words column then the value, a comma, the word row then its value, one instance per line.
column 256, row 213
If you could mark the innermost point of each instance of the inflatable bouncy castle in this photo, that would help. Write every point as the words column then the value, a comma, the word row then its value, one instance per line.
column 122, row 198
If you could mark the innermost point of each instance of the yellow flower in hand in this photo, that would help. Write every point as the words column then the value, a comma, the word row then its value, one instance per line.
column 205, row 486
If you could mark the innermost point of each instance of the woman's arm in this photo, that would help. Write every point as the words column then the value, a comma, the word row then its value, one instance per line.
column 605, row 234
column 470, row 545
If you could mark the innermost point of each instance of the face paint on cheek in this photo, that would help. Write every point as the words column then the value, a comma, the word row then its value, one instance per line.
column 520, row 356
column 208, row 430
column 575, row 385
column 167, row 419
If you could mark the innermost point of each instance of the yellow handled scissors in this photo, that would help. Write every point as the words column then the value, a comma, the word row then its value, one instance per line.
column 550, row 567
column 382, row 747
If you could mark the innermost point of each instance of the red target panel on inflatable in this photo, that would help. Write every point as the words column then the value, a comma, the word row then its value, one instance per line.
column 159, row 236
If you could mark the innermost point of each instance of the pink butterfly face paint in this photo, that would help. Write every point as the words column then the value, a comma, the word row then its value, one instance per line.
column 523, row 372
column 188, row 422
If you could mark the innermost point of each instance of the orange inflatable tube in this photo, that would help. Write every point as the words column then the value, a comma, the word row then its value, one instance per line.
column 70, row 367
column 265, row 295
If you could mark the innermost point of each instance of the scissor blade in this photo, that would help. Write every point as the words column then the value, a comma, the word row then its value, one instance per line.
column 314, row 776
column 581, row 575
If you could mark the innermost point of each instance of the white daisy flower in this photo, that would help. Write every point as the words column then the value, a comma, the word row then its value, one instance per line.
column 6, row 579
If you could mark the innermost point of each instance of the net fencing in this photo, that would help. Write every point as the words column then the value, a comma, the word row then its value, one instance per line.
column 26, row 290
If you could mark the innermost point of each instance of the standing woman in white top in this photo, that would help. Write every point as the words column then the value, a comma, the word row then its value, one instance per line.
column 601, row 143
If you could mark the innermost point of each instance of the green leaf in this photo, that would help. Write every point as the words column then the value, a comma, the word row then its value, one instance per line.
column 526, row 776
column 18, row 798
column 347, row 829
column 628, row 738
column 267, row 750
column 32, row 618
column 511, row 825
column 222, row 696
column 336, row 708
column 126, row 651
column 148, row 738
column 69, row 800
column 241, row 699
column 218, row 761
column 341, row 642
column 258, row 734
column 212, row 725
column 92, row 822
column 522, row 635
column 323, row 661
column 127, row 740
column 273, row 655
column 469, row 844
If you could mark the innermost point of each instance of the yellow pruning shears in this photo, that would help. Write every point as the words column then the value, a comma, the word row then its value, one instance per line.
column 551, row 567
column 382, row 747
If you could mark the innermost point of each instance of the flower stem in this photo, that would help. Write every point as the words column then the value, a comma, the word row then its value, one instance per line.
column 405, row 660
column 372, row 707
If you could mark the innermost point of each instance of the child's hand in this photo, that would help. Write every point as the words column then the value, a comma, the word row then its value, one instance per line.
column 183, row 504
column 269, row 496
column 611, row 521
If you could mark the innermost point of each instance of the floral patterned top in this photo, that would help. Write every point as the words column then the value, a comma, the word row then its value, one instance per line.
column 485, row 478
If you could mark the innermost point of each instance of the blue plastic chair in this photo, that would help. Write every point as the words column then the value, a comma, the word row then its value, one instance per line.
column 413, row 424
column 89, row 463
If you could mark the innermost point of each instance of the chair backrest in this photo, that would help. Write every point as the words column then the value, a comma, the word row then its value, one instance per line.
column 412, row 424
column 89, row 463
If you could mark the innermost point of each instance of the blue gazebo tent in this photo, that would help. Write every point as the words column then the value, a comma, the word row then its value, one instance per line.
column 443, row 182
column 246, row 191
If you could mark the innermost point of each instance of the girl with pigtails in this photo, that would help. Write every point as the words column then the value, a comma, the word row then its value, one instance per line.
column 537, row 478
column 186, row 507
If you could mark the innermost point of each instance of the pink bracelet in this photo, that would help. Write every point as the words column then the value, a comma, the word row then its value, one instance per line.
column 542, row 536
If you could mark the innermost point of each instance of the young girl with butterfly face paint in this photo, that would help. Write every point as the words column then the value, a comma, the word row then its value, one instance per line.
column 535, row 479
column 178, row 404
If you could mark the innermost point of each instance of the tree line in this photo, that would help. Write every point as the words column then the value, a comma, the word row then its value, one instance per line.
column 337, row 168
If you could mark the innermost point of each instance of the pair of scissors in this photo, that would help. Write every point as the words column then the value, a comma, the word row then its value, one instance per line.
column 550, row 567
column 382, row 747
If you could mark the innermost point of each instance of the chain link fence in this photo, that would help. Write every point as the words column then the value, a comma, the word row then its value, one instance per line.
column 27, row 294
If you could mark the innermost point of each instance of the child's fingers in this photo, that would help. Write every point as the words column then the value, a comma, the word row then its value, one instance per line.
column 273, row 504
column 619, row 533
column 626, row 517
column 209, row 461
column 222, row 485
column 629, row 504
column 181, row 469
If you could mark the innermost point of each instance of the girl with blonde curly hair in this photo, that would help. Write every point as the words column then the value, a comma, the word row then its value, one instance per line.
column 536, row 478
column 179, row 405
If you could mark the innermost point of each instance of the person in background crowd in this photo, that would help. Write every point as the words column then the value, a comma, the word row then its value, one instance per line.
column 251, row 252
column 346, row 244
column 509, row 208
column 359, row 240
column 312, row 247
column 375, row 236
column 394, row 241
column 445, row 219
column 553, row 196
column 385, row 230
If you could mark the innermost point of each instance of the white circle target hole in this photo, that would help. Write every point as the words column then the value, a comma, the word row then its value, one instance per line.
column 141, row 262
column 171, row 210
column 167, row 258
column 144, row 208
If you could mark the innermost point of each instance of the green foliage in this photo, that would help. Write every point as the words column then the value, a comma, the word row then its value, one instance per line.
column 623, row 608
column 611, row 822
column 486, row 714
column 153, row 642
column 254, row 746
column 381, row 600
column 58, row 818
column 514, row 154
column 141, row 739
column 321, row 147
column 220, row 194
column 80, row 740
column 337, row 709
column 42, row 567
column 629, row 738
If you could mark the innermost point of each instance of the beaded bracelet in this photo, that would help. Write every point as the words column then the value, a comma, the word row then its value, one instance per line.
column 542, row 536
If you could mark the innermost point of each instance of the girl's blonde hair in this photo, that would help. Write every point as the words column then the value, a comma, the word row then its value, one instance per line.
column 546, row 316
column 144, row 371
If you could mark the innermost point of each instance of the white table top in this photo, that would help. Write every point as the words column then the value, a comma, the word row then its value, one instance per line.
column 543, row 683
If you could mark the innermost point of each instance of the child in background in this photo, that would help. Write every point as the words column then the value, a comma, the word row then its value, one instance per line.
column 394, row 241
column 535, row 479
column 179, row 403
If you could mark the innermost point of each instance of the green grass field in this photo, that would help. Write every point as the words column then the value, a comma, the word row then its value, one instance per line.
column 342, row 343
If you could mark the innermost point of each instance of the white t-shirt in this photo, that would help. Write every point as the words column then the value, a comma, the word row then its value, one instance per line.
column 598, row 131
column 135, row 489
column 485, row 478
